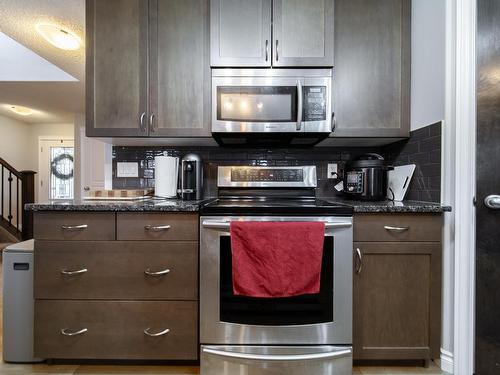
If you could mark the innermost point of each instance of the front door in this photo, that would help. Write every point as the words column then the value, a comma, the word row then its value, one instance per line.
column 487, row 356
column 55, row 164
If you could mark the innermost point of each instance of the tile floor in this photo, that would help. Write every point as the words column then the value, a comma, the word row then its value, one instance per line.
column 38, row 369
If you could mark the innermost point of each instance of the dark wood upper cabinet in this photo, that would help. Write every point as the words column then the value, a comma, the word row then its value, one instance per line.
column 372, row 68
column 116, row 67
column 265, row 33
column 180, row 68
column 148, row 69
column 302, row 33
column 240, row 33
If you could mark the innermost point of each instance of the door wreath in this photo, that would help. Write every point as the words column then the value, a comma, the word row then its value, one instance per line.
column 57, row 162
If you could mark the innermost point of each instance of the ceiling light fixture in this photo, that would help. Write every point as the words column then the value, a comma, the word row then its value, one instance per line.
column 20, row 110
column 59, row 37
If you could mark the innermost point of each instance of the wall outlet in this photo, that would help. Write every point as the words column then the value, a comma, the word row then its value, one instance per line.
column 332, row 171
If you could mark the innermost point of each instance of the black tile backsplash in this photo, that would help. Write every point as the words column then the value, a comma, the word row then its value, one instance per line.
column 422, row 148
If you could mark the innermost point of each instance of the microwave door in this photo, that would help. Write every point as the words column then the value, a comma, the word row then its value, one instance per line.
column 257, row 104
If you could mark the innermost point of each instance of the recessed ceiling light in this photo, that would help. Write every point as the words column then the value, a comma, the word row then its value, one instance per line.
column 20, row 110
column 59, row 37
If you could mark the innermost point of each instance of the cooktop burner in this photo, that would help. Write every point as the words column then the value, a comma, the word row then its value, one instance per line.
column 274, row 206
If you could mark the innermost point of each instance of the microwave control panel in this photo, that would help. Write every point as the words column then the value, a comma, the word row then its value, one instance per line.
column 354, row 182
column 314, row 103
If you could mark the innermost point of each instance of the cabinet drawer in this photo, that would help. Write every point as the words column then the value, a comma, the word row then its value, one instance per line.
column 157, row 226
column 116, row 270
column 397, row 227
column 116, row 330
column 74, row 226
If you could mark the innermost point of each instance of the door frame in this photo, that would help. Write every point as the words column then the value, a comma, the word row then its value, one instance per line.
column 41, row 139
column 461, row 116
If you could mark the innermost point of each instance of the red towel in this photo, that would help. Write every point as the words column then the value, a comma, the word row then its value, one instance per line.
column 276, row 259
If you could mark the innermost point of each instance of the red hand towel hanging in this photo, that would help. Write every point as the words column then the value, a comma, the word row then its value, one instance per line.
column 276, row 259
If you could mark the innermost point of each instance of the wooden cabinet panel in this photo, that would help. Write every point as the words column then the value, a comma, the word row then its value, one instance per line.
column 116, row 270
column 115, row 330
column 303, row 33
column 397, row 300
column 240, row 33
column 157, row 226
column 116, row 67
column 398, row 227
column 372, row 68
column 180, row 68
column 74, row 226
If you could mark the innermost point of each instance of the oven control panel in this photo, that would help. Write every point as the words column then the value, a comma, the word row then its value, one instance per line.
column 247, row 175
column 239, row 176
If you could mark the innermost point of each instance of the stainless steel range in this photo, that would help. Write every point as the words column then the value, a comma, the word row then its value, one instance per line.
column 306, row 334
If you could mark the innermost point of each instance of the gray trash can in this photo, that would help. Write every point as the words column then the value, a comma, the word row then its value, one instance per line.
column 18, row 303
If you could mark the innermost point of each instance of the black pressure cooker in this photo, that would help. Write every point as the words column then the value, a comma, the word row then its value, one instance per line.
column 365, row 178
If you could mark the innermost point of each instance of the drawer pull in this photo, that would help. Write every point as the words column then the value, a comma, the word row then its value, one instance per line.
column 74, row 227
column 72, row 273
column 65, row 332
column 161, row 333
column 157, row 273
column 395, row 229
column 156, row 228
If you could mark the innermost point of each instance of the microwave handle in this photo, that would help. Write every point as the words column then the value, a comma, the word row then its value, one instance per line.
column 299, row 105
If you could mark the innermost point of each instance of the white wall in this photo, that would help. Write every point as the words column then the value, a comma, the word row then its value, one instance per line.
column 428, row 62
column 15, row 146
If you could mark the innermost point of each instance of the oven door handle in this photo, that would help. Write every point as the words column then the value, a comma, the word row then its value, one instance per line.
column 226, row 224
column 338, row 353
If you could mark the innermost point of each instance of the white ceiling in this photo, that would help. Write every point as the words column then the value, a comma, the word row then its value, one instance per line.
column 51, row 101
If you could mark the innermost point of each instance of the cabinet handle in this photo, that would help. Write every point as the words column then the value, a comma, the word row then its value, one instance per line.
column 359, row 265
column 73, row 273
column 395, row 229
column 152, row 122
column 74, row 227
column 161, row 333
column 277, row 54
column 141, row 121
column 148, row 272
column 267, row 49
column 156, row 228
column 65, row 332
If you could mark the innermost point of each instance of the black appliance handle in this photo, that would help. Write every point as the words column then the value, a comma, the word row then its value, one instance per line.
column 370, row 156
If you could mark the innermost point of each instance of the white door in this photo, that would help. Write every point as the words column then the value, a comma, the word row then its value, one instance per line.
column 55, row 168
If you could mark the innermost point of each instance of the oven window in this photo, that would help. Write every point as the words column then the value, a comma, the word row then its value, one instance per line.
column 257, row 103
column 306, row 309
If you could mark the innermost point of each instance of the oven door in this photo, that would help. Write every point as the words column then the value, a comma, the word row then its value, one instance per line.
column 324, row 318
column 268, row 360
column 257, row 104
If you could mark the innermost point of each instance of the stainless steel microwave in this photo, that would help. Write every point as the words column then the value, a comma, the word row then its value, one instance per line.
column 271, row 106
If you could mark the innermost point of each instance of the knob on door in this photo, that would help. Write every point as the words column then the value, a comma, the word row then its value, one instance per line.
column 492, row 201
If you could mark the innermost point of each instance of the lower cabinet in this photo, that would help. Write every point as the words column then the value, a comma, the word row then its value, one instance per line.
column 116, row 329
column 397, row 300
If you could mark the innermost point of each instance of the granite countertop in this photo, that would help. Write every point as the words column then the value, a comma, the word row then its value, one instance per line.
column 148, row 205
column 177, row 205
column 387, row 206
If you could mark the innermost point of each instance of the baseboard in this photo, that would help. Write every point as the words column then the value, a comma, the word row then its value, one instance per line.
column 446, row 361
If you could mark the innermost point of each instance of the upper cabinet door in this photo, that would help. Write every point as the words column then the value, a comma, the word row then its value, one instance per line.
column 240, row 33
column 372, row 68
column 116, row 67
column 303, row 33
column 180, row 68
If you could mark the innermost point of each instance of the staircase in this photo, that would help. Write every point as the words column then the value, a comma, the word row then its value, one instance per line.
column 16, row 189
column 6, row 239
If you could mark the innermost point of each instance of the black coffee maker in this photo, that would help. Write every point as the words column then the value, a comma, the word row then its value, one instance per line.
column 191, row 177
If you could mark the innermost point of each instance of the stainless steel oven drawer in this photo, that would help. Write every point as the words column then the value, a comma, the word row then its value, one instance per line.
column 267, row 360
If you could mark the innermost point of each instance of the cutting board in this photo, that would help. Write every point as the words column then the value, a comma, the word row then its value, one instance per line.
column 398, row 180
